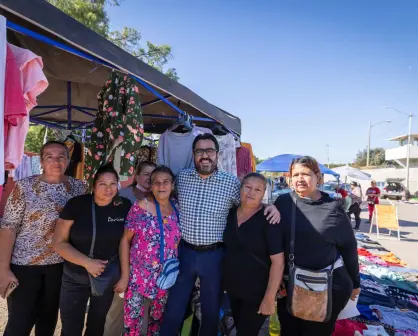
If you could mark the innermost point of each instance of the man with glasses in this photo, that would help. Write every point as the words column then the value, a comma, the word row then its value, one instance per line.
column 205, row 196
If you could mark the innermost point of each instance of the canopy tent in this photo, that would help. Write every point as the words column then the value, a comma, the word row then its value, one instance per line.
column 281, row 164
column 77, row 62
column 347, row 171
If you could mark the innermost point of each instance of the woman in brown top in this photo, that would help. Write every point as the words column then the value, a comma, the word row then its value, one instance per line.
column 26, row 255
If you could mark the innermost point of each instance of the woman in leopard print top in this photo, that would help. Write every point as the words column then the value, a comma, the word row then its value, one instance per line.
column 26, row 255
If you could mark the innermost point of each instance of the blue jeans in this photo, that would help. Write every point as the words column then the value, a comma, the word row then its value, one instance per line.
column 207, row 265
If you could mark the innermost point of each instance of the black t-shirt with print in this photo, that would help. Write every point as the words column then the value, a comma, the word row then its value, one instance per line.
column 110, row 221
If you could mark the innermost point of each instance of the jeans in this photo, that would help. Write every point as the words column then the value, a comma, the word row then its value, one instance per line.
column 75, row 292
column 35, row 301
column 207, row 265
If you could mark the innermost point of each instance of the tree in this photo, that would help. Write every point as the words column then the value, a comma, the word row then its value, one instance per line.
column 377, row 158
column 258, row 160
column 92, row 14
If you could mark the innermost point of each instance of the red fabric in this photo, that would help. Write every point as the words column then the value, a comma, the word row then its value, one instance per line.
column 348, row 328
column 375, row 191
column 371, row 211
column 364, row 252
column 342, row 192
column 243, row 162
column 14, row 103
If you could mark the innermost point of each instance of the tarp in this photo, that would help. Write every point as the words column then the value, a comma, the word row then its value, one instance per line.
column 281, row 164
column 347, row 171
column 87, row 77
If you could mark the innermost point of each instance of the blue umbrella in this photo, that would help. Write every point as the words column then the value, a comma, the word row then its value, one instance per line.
column 281, row 164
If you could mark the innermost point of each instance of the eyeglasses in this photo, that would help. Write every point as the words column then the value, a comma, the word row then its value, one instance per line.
column 208, row 151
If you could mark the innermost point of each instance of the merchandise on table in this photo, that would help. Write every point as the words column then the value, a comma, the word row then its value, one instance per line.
column 388, row 301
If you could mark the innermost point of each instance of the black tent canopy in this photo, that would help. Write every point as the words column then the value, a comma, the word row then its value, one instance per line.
column 77, row 62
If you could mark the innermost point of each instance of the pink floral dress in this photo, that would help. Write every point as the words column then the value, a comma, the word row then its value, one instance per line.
column 145, row 267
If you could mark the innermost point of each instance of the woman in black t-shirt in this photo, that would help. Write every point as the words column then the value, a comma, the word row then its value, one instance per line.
column 254, row 259
column 72, row 241
column 323, row 237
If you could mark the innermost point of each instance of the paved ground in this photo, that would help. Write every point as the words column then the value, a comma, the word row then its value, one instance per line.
column 406, row 248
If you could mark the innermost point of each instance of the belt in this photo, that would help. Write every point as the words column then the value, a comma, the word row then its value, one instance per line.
column 338, row 263
column 210, row 247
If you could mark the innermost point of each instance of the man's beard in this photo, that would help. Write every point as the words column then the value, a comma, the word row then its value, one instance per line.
column 208, row 169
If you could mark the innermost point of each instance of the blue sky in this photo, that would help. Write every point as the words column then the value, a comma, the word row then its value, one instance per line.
column 300, row 74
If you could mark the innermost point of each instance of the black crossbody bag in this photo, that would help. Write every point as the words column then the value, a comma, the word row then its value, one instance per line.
column 111, row 274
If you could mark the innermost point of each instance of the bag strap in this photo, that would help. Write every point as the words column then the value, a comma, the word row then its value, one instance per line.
column 161, row 224
column 93, row 238
column 245, row 247
column 292, row 232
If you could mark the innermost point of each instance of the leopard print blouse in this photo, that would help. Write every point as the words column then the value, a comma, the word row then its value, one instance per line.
column 32, row 208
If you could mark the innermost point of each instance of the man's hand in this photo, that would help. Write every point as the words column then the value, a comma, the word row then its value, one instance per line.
column 272, row 214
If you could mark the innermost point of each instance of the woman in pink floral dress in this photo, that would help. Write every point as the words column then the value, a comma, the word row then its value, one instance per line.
column 140, row 255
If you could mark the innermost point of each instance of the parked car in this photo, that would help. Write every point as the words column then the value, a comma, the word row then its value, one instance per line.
column 394, row 189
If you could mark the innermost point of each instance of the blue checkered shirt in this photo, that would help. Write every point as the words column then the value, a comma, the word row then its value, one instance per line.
column 205, row 204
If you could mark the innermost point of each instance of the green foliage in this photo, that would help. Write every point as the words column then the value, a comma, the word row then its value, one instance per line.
column 258, row 160
column 377, row 158
column 92, row 14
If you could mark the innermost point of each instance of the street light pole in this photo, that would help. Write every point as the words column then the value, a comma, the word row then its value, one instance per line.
column 408, row 152
column 368, row 146
column 328, row 155
column 370, row 136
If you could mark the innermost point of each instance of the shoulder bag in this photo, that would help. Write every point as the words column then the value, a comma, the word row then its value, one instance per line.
column 170, row 267
column 309, row 292
column 111, row 275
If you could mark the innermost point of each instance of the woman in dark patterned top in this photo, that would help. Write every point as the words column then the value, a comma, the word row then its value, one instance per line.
column 26, row 255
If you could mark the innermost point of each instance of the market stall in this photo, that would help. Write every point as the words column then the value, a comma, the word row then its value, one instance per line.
column 388, row 301
column 76, row 65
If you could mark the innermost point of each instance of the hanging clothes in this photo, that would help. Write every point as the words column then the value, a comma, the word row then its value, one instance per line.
column 24, row 169
column 147, row 153
column 79, row 175
column 119, row 123
column 75, row 151
column 14, row 104
column 35, row 165
column 244, row 164
column 175, row 150
column 227, row 160
column 3, row 44
column 250, row 148
column 33, row 83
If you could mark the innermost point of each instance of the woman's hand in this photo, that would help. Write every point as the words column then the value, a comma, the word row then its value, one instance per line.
column 121, row 286
column 272, row 214
column 355, row 293
column 6, row 277
column 95, row 266
column 267, row 307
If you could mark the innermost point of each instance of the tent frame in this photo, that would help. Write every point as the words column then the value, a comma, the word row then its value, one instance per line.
column 85, row 110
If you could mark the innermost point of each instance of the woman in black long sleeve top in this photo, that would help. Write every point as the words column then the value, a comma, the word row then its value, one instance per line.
column 323, row 234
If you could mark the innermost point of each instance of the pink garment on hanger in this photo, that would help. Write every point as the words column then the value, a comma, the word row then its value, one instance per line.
column 33, row 83
column 14, row 103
